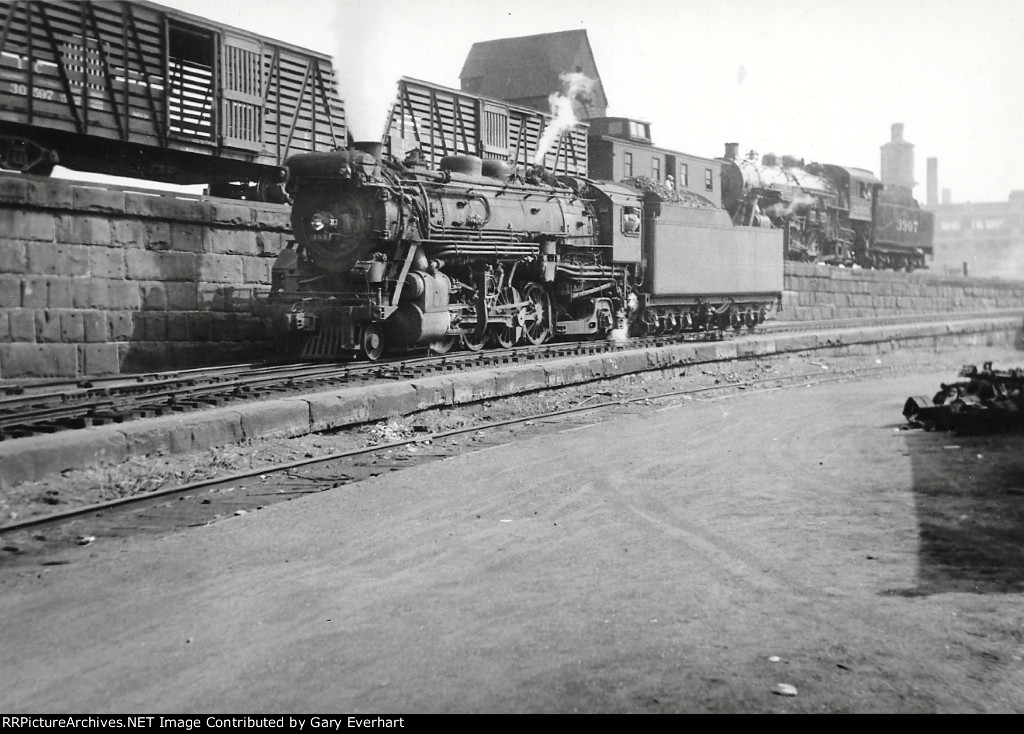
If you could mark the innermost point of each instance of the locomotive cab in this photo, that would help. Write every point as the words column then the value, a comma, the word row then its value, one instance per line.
column 620, row 225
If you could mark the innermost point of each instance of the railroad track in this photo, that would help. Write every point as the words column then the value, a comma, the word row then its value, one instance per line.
column 49, row 407
column 28, row 409
column 54, row 538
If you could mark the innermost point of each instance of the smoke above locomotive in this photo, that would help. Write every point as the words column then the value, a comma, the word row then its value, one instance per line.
column 563, row 114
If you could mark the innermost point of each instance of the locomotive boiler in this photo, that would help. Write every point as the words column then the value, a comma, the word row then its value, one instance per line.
column 393, row 254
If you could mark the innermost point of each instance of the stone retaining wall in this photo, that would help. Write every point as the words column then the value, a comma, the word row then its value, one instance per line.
column 823, row 293
column 100, row 280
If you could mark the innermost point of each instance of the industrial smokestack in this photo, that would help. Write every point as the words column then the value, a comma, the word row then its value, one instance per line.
column 732, row 151
column 898, row 161
column 932, row 195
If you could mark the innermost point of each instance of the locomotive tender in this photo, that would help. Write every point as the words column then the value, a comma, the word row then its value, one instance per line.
column 392, row 254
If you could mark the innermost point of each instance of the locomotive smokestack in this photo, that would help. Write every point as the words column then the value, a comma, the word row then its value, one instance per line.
column 732, row 151
column 373, row 148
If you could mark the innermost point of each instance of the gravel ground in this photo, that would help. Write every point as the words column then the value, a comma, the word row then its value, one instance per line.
column 775, row 551
column 149, row 473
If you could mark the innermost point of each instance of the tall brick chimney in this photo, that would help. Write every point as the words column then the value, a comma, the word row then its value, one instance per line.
column 898, row 160
column 932, row 195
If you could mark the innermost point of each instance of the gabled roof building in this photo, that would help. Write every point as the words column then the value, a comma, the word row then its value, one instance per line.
column 528, row 69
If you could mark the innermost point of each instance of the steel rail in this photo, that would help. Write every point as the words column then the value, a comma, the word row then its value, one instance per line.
column 185, row 390
column 810, row 378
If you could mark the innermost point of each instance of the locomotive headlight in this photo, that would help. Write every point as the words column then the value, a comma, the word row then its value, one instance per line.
column 321, row 221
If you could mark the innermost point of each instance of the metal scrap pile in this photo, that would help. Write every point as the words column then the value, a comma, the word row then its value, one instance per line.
column 986, row 400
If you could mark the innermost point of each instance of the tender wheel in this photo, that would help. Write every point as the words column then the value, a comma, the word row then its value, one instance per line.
column 639, row 328
column 537, row 324
column 750, row 319
column 443, row 345
column 371, row 342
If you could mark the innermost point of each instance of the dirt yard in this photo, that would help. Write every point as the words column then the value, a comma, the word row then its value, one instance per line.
column 795, row 550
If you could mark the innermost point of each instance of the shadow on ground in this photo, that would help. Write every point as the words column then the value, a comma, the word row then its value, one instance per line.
column 969, row 495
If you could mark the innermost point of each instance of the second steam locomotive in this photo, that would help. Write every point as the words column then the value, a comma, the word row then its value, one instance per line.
column 394, row 254
column 828, row 213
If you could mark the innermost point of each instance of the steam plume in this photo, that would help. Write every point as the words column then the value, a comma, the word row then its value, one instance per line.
column 785, row 209
column 576, row 85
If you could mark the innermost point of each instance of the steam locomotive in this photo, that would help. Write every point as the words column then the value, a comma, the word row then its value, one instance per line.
column 828, row 213
column 398, row 254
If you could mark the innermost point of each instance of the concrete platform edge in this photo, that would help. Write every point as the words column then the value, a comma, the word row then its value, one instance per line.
column 36, row 457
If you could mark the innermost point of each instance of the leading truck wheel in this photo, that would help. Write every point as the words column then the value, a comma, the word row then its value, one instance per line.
column 371, row 342
column 443, row 345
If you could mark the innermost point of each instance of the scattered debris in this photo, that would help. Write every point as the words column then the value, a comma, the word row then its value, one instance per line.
column 389, row 432
column 784, row 689
column 85, row 539
column 774, row 659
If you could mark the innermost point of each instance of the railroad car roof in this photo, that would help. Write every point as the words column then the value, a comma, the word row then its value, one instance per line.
column 496, row 100
column 216, row 25
column 861, row 174
column 655, row 148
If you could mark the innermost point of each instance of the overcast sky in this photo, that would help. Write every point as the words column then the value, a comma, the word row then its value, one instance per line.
column 819, row 79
